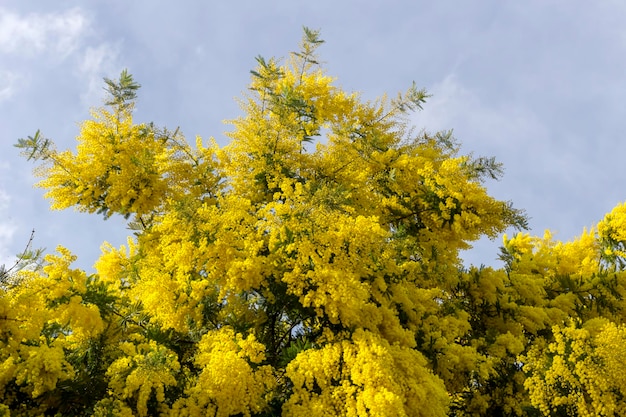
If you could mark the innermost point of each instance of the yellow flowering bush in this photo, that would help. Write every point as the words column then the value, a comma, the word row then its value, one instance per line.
column 230, row 381
column 146, row 369
column 580, row 373
column 309, row 267
column 364, row 376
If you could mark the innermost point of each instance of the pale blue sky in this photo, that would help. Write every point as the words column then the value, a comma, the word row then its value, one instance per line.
column 539, row 84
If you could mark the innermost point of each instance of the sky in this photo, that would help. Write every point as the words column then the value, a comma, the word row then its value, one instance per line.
column 539, row 84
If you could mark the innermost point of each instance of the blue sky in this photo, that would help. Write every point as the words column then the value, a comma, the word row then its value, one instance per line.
column 539, row 84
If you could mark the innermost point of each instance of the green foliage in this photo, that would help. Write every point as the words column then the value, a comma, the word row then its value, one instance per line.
column 35, row 147
column 121, row 92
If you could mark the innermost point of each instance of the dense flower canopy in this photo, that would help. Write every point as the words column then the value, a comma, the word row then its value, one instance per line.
column 310, row 267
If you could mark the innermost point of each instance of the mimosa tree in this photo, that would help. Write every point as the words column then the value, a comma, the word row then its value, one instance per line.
column 308, row 267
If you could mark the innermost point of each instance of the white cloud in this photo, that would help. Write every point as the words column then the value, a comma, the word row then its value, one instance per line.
column 493, row 127
column 64, row 37
column 96, row 58
column 97, row 62
column 30, row 42
column 7, row 230
column 54, row 33
column 8, row 84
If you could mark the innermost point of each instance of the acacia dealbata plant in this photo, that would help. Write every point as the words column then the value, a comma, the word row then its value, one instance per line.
column 309, row 267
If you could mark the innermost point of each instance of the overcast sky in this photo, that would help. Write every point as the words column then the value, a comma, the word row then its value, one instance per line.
column 539, row 84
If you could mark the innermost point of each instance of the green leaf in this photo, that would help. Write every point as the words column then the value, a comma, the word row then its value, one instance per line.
column 123, row 91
